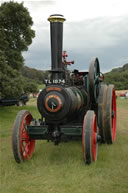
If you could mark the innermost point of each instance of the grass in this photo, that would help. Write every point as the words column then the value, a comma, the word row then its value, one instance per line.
column 60, row 169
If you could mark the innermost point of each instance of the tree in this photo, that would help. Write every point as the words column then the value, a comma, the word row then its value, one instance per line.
column 30, row 87
column 15, row 37
column 10, row 79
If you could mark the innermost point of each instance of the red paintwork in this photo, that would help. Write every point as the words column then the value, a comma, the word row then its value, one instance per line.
column 114, row 117
column 64, row 55
column 94, row 136
column 26, row 145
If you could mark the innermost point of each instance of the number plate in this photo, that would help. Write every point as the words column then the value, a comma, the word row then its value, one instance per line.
column 55, row 81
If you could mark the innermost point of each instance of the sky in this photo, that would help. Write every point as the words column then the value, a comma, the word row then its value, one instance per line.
column 93, row 28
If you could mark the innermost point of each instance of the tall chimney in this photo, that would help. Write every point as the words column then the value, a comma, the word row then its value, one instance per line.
column 56, row 29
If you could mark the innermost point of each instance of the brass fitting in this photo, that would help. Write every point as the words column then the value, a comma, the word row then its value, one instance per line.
column 56, row 18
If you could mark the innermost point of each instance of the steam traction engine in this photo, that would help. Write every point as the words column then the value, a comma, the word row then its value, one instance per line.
column 72, row 105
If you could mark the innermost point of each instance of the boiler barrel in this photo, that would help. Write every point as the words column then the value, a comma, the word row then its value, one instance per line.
column 57, row 103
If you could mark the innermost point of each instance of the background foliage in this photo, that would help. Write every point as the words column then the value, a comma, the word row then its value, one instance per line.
column 15, row 37
column 118, row 77
column 33, row 74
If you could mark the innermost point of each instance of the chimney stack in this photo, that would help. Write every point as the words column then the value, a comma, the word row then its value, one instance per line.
column 56, row 30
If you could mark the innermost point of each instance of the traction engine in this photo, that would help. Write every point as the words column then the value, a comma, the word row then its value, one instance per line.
column 73, row 105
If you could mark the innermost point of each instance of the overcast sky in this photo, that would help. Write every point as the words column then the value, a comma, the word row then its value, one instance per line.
column 92, row 28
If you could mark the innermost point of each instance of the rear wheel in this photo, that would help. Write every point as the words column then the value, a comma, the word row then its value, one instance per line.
column 94, row 79
column 89, row 137
column 22, row 146
column 110, row 118
column 101, row 111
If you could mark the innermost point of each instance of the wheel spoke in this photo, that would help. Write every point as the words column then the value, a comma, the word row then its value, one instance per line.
column 25, row 136
column 26, row 148
column 23, row 147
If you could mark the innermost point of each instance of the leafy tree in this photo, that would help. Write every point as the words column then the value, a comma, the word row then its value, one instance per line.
column 30, row 87
column 10, row 79
column 15, row 37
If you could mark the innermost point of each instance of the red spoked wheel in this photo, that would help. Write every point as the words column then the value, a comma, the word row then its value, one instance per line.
column 22, row 146
column 110, row 119
column 89, row 137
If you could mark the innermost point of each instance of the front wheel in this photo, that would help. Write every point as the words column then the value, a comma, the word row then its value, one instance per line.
column 89, row 137
column 22, row 146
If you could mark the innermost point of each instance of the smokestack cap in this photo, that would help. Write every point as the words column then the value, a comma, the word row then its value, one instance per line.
column 56, row 18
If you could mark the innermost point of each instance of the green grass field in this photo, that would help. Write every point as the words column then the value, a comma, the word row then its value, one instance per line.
column 60, row 169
